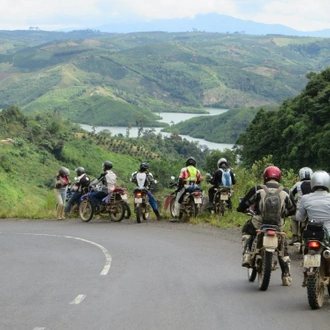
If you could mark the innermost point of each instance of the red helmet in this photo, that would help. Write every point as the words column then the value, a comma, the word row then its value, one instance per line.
column 272, row 172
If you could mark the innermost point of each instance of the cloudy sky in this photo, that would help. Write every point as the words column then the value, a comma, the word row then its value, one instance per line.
column 302, row 15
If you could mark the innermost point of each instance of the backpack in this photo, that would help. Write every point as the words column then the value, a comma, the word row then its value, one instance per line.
column 271, row 205
column 226, row 178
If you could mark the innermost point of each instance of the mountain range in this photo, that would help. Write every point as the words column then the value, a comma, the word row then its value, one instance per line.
column 208, row 23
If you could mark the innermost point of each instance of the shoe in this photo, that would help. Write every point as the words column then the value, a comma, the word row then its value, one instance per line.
column 246, row 260
column 175, row 219
column 286, row 279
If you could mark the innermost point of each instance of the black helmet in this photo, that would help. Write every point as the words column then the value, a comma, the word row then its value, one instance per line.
column 80, row 170
column 191, row 161
column 107, row 165
column 64, row 171
column 144, row 166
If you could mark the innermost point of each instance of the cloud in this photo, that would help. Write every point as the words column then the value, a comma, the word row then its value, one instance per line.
column 50, row 15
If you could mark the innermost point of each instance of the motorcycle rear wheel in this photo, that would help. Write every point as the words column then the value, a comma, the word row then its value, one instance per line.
column 265, row 270
column 138, row 211
column 86, row 210
column 315, row 291
column 192, row 209
column 117, row 212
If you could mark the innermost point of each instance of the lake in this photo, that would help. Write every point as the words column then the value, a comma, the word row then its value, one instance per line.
column 169, row 118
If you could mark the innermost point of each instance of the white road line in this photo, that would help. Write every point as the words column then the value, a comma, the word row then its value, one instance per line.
column 78, row 299
column 107, row 255
column 38, row 328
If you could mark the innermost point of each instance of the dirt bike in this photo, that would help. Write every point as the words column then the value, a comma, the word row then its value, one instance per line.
column 263, row 252
column 192, row 200
column 141, row 204
column 221, row 200
column 113, row 204
column 316, row 251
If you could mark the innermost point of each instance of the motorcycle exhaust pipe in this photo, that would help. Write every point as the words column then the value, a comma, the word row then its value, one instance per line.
column 326, row 254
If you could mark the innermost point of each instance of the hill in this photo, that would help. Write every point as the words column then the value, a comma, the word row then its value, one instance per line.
column 101, row 78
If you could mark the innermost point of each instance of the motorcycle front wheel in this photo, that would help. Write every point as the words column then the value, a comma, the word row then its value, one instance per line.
column 117, row 212
column 86, row 210
column 265, row 270
column 315, row 290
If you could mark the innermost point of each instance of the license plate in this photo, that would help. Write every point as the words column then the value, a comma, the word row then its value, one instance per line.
column 124, row 197
column 224, row 197
column 312, row 260
column 138, row 200
column 270, row 242
column 198, row 200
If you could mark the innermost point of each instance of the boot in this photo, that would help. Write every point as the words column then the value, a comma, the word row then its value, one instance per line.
column 158, row 215
column 285, row 266
column 59, row 211
column 246, row 259
column 295, row 239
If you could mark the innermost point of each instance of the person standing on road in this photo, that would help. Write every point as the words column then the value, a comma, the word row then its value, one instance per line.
column 61, row 186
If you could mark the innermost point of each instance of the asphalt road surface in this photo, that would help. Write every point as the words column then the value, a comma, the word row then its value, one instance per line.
column 71, row 275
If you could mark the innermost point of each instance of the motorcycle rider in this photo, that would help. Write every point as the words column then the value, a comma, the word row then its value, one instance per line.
column 189, row 178
column 81, row 183
column 223, row 176
column 272, row 176
column 144, row 178
column 300, row 188
column 109, row 180
column 316, row 206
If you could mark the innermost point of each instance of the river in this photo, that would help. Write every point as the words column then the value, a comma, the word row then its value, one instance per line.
column 169, row 118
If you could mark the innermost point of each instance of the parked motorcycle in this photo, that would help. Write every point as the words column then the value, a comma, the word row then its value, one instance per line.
column 141, row 204
column 316, row 251
column 113, row 204
column 222, row 198
column 266, row 246
column 191, row 201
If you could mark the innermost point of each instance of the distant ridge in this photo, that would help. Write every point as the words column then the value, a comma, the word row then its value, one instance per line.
column 209, row 23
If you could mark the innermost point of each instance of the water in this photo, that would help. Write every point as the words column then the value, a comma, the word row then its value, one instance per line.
column 169, row 118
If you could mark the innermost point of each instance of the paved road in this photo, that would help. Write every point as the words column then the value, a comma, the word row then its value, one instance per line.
column 71, row 275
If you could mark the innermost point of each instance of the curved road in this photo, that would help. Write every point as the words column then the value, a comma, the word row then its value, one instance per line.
column 157, row 275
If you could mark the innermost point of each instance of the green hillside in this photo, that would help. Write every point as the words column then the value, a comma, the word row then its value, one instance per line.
column 121, row 79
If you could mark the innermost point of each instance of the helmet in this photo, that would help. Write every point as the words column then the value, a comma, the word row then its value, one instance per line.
column 191, row 161
column 221, row 161
column 80, row 170
column 64, row 171
column 144, row 166
column 305, row 173
column 272, row 172
column 320, row 179
column 107, row 165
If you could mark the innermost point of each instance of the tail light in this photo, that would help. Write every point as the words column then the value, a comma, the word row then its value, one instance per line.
column 314, row 244
column 196, row 193
column 271, row 232
column 138, row 194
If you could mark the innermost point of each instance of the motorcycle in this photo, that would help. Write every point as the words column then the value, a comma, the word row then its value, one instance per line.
column 113, row 204
column 316, row 263
column 266, row 245
column 141, row 204
column 71, row 190
column 192, row 200
column 222, row 198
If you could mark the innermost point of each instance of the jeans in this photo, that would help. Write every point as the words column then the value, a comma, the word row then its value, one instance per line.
column 74, row 199
column 152, row 202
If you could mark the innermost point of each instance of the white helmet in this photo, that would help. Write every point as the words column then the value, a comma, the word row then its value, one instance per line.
column 305, row 173
column 222, row 160
column 320, row 179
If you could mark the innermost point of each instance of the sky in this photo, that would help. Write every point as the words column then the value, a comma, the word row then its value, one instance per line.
column 52, row 15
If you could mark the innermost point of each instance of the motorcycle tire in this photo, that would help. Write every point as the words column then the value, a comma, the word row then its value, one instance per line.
column 138, row 211
column 252, row 274
column 172, row 205
column 193, row 209
column 86, row 210
column 315, row 291
column 117, row 212
column 265, row 270
column 222, row 208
